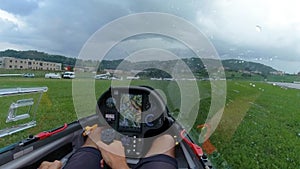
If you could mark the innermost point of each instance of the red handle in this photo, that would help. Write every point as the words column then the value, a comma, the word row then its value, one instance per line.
column 46, row 134
column 197, row 149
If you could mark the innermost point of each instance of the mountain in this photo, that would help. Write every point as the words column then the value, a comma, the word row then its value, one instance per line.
column 195, row 64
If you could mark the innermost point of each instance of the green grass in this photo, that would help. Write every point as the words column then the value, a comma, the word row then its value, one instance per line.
column 233, row 75
column 55, row 109
column 259, row 127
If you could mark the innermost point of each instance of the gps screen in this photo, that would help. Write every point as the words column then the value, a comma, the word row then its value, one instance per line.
column 130, row 111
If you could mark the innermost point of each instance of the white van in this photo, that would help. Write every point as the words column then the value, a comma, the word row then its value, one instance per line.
column 69, row 75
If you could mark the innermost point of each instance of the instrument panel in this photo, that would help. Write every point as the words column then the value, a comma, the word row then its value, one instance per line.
column 133, row 113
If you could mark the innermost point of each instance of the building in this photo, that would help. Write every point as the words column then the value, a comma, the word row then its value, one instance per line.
column 14, row 63
column 281, row 73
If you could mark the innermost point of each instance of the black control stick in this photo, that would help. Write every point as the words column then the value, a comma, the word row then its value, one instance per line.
column 108, row 136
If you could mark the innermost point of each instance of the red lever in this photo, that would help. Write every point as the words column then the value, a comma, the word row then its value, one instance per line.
column 197, row 149
column 46, row 134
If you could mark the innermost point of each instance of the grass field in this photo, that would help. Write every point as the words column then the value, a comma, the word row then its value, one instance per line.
column 260, row 127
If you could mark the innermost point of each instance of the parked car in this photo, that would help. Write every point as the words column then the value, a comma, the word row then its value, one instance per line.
column 132, row 77
column 53, row 75
column 105, row 77
column 68, row 75
column 102, row 76
column 30, row 75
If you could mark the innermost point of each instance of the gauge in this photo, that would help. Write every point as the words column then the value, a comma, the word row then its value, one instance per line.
column 110, row 102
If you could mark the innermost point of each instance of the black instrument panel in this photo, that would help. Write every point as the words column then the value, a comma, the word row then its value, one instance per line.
column 132, row 113
column 136, row 110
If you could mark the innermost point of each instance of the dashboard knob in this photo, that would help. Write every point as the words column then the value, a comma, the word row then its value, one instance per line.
column 149, row 120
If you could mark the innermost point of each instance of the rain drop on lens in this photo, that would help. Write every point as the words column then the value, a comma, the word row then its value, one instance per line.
column 258, row 28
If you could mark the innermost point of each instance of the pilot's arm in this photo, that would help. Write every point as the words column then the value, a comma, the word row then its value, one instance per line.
column 89, row 156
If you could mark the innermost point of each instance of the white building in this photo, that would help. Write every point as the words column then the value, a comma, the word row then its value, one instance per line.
column 14, row 63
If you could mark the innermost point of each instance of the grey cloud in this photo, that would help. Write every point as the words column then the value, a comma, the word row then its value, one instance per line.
column 233, row 25
column 63, row 26
column 68, row 24
column 20, row 7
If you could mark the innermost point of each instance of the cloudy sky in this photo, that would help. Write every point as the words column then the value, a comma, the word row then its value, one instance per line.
column 265, row 31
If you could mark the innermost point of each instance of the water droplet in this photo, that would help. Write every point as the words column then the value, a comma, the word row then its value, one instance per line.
column 258, row 28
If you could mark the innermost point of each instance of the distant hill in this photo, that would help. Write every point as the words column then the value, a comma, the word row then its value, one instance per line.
column 241, row 65
column 195, row 64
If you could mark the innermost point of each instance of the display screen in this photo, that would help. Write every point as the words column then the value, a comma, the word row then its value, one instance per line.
column 130, row 111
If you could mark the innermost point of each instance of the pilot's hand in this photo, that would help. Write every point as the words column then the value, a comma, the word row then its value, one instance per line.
column 51, row 165
column 113, row 154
